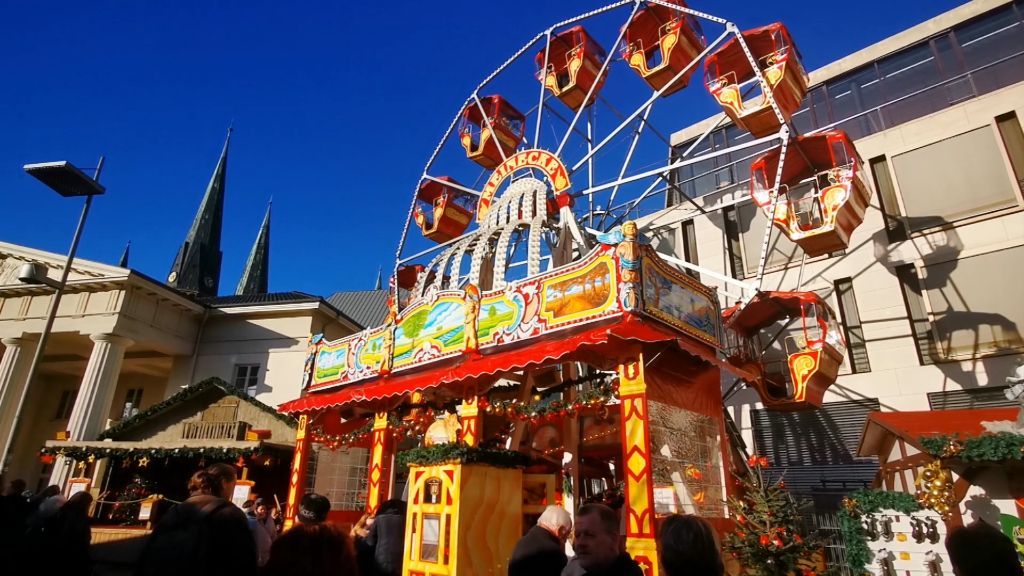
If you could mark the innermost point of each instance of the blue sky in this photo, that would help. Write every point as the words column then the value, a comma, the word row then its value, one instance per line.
column 336, row 108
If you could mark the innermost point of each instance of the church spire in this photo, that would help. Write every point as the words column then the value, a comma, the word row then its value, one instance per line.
column 124, row 255
column 197, row 267
column 256, row 275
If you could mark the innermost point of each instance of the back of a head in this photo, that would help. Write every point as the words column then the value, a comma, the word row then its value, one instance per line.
column 688, row 546
column 202, row 483
column 555, row 518
column 394, row 506
column 980, row 549
column 608, row 517
column 313, row 508
column 17, row 486
column 321, row 548
column 222, row 474
column 79, row 503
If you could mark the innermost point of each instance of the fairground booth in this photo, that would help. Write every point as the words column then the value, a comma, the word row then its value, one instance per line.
column 538, row 348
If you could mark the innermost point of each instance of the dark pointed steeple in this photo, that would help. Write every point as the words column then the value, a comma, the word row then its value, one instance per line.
column 124, row 255
column 256, row 275
column 379, row 279
column 197, row 266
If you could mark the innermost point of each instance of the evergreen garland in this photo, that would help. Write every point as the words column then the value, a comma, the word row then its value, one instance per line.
column 985, row 448
column 457, row 452
column 858, row 555
column 81, row 453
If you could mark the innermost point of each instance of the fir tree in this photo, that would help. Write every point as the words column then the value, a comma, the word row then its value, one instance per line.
column 767, row 539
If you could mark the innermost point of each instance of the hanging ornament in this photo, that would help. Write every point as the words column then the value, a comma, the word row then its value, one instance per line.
column 144, row 461
column 952, row 448
column 764, row 540
column 91, row 458
column 935, row 489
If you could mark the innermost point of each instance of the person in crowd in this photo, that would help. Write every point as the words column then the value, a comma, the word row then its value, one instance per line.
column 980, row 549
column 689, row 547
column 67, row 537
column 43, row 507
column 381, row 547
column 541, row 551
column 260, row 535
column 313, row 548
column 204, row 535
column 14, row 510
column 313, row 509
column 597, row 545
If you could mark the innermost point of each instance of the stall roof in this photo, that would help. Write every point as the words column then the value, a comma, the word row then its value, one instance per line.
column 468, row 369
column 911, row 426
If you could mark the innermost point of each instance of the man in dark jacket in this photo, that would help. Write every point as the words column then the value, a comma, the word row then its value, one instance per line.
column 596, row 544
column 383, row 549
column 541, row 551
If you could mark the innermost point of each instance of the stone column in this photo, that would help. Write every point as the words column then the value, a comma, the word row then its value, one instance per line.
column 14, row 367
column 297, row 480
column 95, row 395
column 636, row 458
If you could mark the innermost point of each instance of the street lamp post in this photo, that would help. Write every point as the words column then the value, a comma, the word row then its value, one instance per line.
column 67, row 180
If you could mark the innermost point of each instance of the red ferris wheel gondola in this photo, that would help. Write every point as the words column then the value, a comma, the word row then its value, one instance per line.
column 475, row 128
column 574, row 60
column 443, row 211
column 728, row 70
column 660, row 42
column 822, row 194
column 814, row 351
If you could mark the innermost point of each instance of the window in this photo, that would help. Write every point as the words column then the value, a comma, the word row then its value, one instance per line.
column 132, row 402
column 917, row 313
column 745, row 225
column 65, row 404
column 974, row 313
column 953, row 179
column 341, row 476
column 1013, row 142
column 895, row 230
column 690, row 246
column 247, row 377
column 856, row 345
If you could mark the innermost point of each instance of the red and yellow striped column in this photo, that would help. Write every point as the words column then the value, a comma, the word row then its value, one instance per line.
column 297, row 480
column 636, row 458
column 470, row 421
column 379, row 473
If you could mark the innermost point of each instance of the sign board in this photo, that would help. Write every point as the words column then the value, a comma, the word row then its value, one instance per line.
column 76, row 485
column 242, row 490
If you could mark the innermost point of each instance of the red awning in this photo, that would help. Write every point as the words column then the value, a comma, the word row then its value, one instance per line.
column 912, row 426
column 605, row 341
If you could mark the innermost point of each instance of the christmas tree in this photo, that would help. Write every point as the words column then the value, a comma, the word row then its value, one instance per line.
column 767, row 539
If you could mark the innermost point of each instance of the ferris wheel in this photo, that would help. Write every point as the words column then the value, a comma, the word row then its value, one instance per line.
column 569, row 138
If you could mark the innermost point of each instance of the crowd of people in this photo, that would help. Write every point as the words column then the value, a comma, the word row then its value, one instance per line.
column 207, row 534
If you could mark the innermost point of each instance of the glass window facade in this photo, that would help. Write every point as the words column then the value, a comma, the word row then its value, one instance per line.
column 973, row 58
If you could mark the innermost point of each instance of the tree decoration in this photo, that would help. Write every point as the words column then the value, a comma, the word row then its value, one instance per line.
column 984, row 448
column 863, row 502
column 458, row 452
column 935, row 489
column 767, row 540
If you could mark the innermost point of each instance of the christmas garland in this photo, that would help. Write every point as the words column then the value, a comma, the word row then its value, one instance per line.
column 187, row 394
column 985, row 448
column 456, row 452
column 82, row 453
column 858, row 555
column 547, row 408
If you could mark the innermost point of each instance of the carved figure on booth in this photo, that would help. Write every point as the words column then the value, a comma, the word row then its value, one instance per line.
column 444, row 430
column 472, row 314
column 388, row 348
column 310, row 363
column 627, row 241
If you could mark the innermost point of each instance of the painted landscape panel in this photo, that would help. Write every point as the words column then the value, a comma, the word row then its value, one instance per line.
column 580, row 294
column 429, row 331
column 670, row 297
column 497, row 314
column 331, row 362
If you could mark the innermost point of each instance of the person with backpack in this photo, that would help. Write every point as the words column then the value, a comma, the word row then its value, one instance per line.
column 204, row 535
